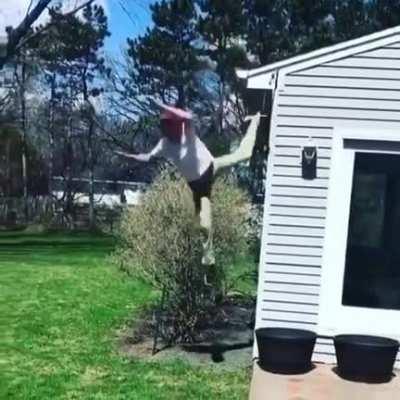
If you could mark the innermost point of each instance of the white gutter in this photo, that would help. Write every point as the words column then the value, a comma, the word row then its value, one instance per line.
column 241, row 73
column 263, row 81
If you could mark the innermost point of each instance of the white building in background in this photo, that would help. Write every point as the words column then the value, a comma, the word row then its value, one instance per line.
column 330, row 258
column 133, row 192
column 109, row 200
column 6, row 73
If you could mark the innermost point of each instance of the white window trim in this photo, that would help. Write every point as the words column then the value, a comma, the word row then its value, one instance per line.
column 334, row 318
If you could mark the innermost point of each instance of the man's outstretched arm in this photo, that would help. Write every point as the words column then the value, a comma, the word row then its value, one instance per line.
column 143, row 157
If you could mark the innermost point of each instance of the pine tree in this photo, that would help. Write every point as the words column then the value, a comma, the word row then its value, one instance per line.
column 281, row 29
column 384, row 13
column 70, row 50
column 25, row 72
column 164, row 60
column 49, row 46
column 88, row 67
column 222, row 26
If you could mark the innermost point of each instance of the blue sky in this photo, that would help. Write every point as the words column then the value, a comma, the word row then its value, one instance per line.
column 123, row 26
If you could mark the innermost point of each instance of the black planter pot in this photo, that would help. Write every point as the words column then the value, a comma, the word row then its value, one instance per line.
column 365, row 358
column 285, row 351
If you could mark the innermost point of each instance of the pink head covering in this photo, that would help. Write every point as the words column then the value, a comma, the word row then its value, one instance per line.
column 174, row 113
column 173, row 120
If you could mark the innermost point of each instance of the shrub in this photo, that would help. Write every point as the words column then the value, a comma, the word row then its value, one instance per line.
column 161, row 243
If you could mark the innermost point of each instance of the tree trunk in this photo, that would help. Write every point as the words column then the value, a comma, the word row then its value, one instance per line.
column 51, row 134
column 92, row 216
column 8, row 178
column 24, row 136
column 68, row 209
column 221, row 109
column 90, row 117
column 181, row 102
column 222, row 88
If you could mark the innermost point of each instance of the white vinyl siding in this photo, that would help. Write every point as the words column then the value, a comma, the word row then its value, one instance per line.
column 308, row 104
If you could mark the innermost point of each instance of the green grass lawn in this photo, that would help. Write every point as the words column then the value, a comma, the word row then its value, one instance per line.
column 60, row 306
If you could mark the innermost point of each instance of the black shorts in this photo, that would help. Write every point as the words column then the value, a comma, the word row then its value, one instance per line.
column 202, row 187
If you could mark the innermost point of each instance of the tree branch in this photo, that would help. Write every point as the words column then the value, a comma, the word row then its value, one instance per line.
column 16, row 37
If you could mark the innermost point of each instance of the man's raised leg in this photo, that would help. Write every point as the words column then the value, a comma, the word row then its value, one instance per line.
column 245, row 149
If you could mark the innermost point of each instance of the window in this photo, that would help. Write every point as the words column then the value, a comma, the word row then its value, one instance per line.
column 372, row 270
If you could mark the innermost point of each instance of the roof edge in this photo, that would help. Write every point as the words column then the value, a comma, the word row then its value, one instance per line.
column 348, row 44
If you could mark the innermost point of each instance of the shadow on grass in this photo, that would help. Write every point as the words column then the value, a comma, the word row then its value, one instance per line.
column 50, row 248
column 216, row 350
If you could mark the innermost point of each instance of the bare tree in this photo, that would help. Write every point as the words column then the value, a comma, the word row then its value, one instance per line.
column 22, row 100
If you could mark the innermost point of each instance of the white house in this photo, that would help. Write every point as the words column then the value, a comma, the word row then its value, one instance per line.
column 6, row 73
column 330, row 258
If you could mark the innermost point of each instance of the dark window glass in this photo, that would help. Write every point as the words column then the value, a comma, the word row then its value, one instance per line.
column 372, row 272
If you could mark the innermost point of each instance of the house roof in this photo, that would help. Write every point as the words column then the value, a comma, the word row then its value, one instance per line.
column 315, row 57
